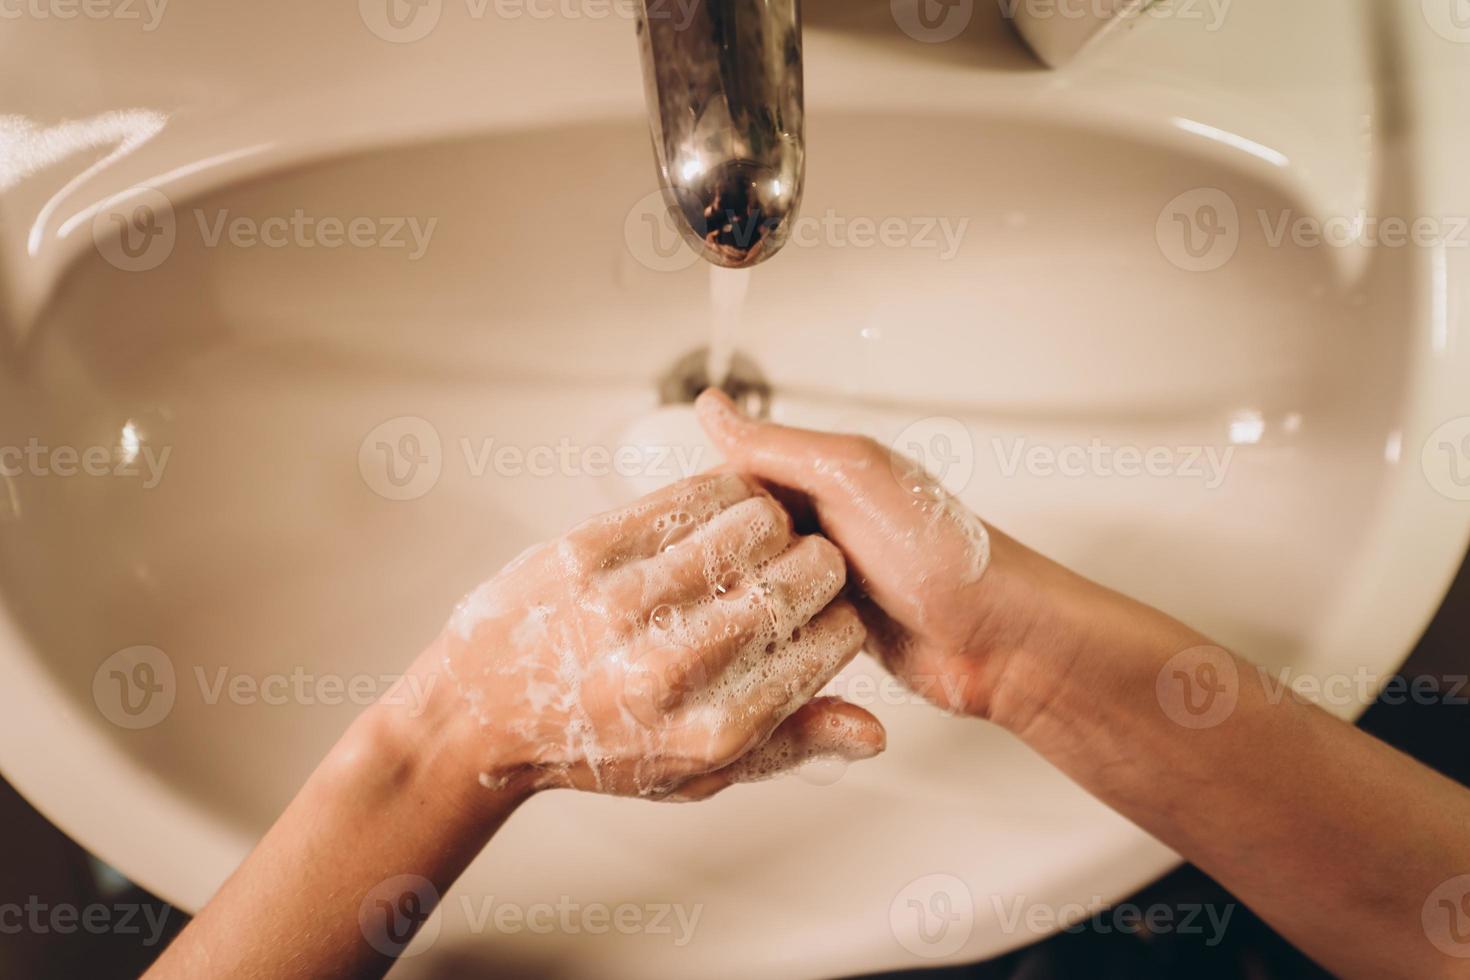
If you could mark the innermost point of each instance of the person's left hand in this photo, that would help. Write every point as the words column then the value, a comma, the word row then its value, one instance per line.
column 665, row 650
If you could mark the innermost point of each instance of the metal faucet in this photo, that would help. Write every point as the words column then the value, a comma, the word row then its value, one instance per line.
column 724, row 85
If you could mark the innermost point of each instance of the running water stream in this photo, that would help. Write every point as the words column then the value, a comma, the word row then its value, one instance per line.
column 727, row 289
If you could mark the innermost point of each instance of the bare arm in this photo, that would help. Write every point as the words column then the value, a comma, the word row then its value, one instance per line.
column 665, row 651
column 1336, row 839
column 1340, row 842
column 341, row 882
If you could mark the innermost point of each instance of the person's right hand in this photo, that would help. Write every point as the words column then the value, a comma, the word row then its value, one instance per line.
column 934, row 616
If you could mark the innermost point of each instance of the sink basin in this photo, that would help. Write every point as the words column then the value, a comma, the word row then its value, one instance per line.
column 329, row 445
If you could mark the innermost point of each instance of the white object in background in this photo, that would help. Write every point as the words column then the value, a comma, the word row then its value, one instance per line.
column 1057, row 32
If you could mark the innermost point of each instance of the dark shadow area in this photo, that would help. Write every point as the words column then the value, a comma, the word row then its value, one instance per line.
column 75, row 917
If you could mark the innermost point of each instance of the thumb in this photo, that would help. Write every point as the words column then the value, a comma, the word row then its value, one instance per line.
column 778, row 454
column 823, row 728
column 850, row 480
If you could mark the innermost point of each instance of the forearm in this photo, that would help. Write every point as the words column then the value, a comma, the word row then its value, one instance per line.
column 1333, row 837
column 598, row 661
column 393, row 798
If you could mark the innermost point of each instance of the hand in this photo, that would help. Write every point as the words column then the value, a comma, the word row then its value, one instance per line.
column 936, row 617
column 665, row 650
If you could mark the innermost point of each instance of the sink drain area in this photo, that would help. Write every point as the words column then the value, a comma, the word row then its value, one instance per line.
column 744, row 383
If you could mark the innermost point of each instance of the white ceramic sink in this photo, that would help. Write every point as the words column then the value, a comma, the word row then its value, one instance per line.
column 1307, row 520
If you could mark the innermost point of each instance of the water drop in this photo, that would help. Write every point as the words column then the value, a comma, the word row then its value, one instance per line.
column 727, row 583
column 680, row 527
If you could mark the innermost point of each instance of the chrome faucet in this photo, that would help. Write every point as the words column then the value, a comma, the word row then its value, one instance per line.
column 724, row 85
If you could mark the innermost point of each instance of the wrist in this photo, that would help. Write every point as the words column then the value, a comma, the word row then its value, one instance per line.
column 1074, row 646
column 419, row 741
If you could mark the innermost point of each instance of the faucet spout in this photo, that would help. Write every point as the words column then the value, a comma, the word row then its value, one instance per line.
column 724, row 85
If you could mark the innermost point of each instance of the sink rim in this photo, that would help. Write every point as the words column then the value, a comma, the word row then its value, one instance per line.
column 127, row 832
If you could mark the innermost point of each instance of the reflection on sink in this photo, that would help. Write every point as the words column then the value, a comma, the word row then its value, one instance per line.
column 272, row 547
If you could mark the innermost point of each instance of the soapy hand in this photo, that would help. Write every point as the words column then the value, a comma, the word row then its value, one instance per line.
column 919, row 554
column 665, row 650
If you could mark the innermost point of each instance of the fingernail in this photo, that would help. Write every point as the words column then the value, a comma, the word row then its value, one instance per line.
column 720, row 408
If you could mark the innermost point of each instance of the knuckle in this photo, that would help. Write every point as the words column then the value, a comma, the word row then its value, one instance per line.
column 723, row 488
column 621, row 589
column 842, row 616
column 738, row 633
column 768, row 506
column 777, row 693
column 734, row 486
column 847, row 626
column 728, row 747
column 745, row 483
column 770, row 603
column 580, row 554
column 771, row 512
column 827, row 559
column 727, row 488
column 864, row 449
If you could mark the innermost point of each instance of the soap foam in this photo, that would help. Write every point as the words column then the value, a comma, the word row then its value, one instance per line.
column 557, row 679
column 945, row 517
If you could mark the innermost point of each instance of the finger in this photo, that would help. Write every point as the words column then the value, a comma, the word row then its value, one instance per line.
column 802, row 459
column 697, row 644
column 640, row 529
column 739, row 709
column 710, row 560
column 797, row 503
column 779, row 682
column 823, row 728
column 852, row 482
column 801, row 581
column 879, row 507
